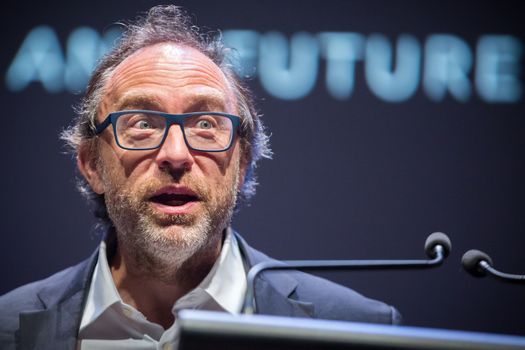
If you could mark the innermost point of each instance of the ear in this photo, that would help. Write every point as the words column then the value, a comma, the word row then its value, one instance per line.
column 88, row 166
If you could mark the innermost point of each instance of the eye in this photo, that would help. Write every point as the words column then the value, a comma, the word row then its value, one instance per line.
column 143, row 124
column 204, row 124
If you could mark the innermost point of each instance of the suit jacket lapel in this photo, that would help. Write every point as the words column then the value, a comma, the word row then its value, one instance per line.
column 274, row 291
column 53, row 328
column 56, row 326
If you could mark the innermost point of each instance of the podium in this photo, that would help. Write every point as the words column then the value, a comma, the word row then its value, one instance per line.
column 200, row 330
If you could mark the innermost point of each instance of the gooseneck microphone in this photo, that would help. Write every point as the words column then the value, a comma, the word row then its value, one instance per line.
column 478, row 264
column 437, row 247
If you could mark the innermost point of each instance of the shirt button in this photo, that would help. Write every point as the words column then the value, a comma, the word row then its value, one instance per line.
column 166, row 346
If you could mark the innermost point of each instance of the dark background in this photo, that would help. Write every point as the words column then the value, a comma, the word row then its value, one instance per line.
column 362, row 179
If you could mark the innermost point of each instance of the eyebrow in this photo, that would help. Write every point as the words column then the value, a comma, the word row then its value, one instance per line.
column 133, row 101
column 207, row 103
column 196, row 103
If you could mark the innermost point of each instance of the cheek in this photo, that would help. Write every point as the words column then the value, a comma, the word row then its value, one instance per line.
column 112, row 173
column 120, row 167
column 219, row 166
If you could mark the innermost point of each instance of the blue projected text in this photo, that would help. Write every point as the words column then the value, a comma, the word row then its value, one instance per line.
column 289, row 68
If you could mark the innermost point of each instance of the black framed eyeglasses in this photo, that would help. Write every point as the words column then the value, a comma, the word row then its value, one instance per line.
column 147, row 130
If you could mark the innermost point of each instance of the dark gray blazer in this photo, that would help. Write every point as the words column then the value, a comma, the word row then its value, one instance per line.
column 46, row 314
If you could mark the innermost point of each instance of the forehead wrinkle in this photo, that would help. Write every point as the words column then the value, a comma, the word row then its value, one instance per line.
column 213, row 100
column 182, row 70
column 177, row 77
column 145, row 95
column 170, row 58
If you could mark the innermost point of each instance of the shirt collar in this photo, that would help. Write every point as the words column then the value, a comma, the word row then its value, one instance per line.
column 102, row 292
column 222, row 289
column 226, row 281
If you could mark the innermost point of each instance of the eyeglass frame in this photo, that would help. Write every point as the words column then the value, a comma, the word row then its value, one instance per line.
column 171, row 119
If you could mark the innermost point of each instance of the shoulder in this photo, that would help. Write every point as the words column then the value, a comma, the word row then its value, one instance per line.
column 329, row 300
column 41, row 294
column 333, row 301
column 26, row 296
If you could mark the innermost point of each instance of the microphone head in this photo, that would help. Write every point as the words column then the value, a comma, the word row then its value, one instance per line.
column 471, row 260
column 437, row 238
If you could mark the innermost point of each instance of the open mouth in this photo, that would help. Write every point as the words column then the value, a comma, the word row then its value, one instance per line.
column 173, row 200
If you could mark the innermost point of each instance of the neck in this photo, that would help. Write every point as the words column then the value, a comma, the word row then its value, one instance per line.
column 155, row 297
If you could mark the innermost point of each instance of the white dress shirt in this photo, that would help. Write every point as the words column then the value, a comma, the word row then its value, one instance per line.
column 109, row 323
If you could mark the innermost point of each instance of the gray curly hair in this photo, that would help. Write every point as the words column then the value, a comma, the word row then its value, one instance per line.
column 166, row 23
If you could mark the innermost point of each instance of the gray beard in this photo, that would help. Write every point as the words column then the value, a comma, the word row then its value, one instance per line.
column 147, row 238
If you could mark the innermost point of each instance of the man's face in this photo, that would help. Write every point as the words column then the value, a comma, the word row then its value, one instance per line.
column 170, row 203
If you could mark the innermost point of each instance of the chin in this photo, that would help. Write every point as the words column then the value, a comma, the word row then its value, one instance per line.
column 176, row 232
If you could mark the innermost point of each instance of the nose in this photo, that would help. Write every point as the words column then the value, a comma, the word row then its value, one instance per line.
column 174, row 153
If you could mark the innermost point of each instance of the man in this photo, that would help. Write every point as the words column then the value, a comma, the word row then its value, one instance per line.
column 166, row 140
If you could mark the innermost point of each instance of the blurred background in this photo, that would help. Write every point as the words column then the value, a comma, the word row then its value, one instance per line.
column 389, row 119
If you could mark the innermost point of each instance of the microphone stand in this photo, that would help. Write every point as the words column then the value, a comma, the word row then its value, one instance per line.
column 507, row 277
column 437, row 247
